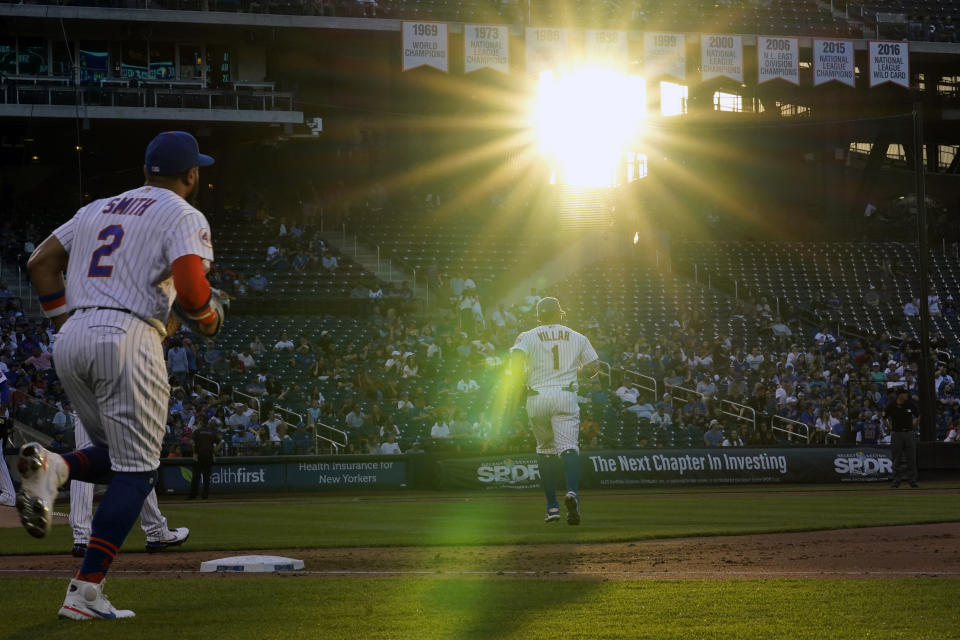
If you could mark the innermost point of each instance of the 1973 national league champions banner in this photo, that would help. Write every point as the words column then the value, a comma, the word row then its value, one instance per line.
column 425, row 45
column 778, row 58
column 721, row 56
column 486, row 47
column 833, row 60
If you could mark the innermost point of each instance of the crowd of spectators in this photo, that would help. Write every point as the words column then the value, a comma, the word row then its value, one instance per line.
column 429, row 382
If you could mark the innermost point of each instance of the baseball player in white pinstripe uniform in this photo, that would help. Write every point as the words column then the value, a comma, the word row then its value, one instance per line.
column 107, row 278
column 7, row 491
column 153, row 523
column 552, row 356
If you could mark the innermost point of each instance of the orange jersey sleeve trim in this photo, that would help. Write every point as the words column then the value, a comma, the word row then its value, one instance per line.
column 193, row 290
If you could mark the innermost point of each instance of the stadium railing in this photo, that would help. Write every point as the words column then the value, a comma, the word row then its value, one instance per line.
column 640, row 381
column 207, row 384
column 334, row 445
column 739, row 412
column 252, row 401
column 790, row 428
column 38, row 414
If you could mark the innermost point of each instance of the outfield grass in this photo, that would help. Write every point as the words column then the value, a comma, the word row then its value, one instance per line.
column 424, row 608
column 485, row 519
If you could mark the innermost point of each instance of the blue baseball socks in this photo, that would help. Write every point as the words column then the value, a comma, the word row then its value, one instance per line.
column 116, row 515
column 88, row 464
column 570, row 459
column 549, row 472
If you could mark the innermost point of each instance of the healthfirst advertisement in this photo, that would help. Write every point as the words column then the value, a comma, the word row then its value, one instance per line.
column 248, row 474
column 633, row 468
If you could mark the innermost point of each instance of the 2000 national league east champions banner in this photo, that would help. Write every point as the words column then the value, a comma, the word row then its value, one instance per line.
column 486, row 47
column 778, row 58
column 833, row 60
column 721, row 57
column 425, row 44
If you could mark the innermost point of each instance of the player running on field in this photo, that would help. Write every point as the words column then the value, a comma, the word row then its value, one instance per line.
column 153, row 523
column 552, row 355
column 107, row 278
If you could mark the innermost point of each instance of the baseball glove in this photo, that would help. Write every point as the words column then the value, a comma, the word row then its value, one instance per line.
column 219, row 303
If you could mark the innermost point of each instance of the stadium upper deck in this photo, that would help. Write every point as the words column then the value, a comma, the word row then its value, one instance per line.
column 787, row 17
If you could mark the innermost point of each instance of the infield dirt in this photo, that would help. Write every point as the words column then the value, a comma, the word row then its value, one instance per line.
column 912, row 550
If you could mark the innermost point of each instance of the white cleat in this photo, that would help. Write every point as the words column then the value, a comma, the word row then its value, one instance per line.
column 86, row 601
column 572, row 502
column 42, row 473
column 7, row 500
column 172, row 538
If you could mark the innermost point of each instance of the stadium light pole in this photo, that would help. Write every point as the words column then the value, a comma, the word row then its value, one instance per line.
column 925, row 377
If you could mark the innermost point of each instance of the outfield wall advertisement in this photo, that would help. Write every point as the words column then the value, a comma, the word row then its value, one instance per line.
column 615, row 469
column 330, row 473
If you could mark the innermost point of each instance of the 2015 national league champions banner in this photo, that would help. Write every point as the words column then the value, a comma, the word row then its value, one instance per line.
column 833, row 60
column 633, row 468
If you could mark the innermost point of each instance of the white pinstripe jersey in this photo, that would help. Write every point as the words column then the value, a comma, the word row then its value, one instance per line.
column 122, row 248
column 554, row 354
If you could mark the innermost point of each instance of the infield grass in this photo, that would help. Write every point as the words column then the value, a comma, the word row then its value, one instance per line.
column 274, row 607
column 311, row 521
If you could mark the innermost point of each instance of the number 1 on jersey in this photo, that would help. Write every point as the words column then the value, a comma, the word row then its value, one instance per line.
column 97, row 270
column 556, row 357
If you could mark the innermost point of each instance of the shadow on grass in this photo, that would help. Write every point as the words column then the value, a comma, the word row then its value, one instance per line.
column 481, row 608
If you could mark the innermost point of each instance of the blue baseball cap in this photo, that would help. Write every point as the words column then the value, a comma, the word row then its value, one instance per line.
column 174, row 152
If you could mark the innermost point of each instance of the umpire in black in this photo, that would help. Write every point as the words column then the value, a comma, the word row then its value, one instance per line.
column 902, row 418
column 205, row 441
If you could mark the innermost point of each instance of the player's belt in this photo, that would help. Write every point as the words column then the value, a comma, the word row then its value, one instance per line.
column 153, row 322
column 530, row 391
column 108, row 309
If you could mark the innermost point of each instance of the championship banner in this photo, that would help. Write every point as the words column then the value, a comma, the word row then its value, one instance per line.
column 889, row 62
column 778, row 58
column 634, row 468
column 606, row 47
column 425, row 45
column 664, row 54
column 486, row 48
column 547, row 49
column 721, row 57
column 833, row 60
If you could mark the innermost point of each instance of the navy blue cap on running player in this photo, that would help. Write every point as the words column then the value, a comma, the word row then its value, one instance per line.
column 174, row 152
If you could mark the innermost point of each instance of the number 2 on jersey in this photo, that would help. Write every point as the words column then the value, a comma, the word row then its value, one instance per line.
column 556, row 357
column 97, row 270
